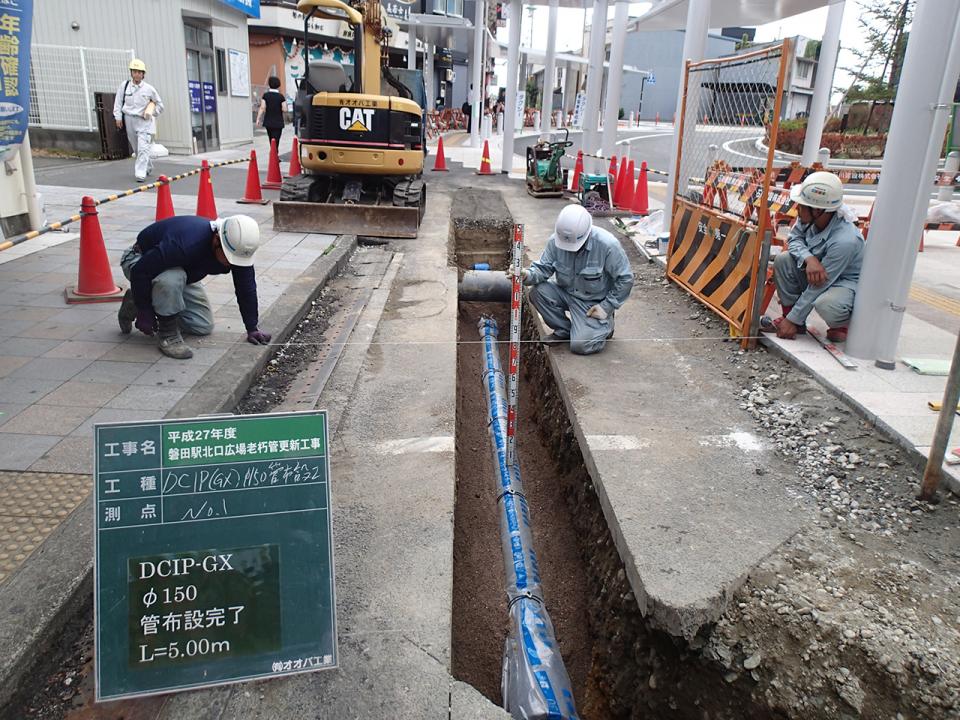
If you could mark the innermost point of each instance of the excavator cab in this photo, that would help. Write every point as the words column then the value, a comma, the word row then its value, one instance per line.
column 361, row 138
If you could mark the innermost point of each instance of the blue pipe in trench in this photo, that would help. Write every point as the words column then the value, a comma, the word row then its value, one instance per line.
column 534, row 681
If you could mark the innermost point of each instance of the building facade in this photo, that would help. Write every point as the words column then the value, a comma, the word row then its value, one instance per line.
column 197, row 57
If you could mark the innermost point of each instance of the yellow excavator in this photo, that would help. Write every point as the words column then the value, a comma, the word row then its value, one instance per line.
column 362, row 137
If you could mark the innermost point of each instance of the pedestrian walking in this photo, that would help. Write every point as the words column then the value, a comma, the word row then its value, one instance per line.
column 270, row 115
column 581, row 278
column 135, row 109
column 165, row 267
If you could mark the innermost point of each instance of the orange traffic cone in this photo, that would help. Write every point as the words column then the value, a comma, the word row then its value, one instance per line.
column 94, row 280
column 295, row 169
column 274, row 180
column 440, row 164
column 618, row 186
column 577, row 169
column 206, row 205
column 164, row 200
column 252, row 194
column 628, row 189
column 485, row 168
column 640, row 198
column 613, row 167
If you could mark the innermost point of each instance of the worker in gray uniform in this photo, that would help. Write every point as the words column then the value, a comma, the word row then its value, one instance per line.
column 580, row 280
column 135, row 108
column 821, row 267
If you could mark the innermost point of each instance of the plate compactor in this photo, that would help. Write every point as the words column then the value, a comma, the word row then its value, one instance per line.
column 545, row 177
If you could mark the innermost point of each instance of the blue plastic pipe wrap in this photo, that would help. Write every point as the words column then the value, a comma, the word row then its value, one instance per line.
column 535, row 683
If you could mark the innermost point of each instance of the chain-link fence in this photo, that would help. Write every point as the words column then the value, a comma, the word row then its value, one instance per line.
column 729, row 103
column 63, row 81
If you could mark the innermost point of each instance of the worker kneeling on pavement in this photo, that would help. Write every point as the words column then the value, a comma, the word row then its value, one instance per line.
column 821, row 267
column 581, row 278
column 165, row 267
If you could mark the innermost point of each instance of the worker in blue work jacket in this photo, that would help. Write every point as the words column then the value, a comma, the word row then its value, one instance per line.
column 821, row 267
column 580, row 280
column 165, row 267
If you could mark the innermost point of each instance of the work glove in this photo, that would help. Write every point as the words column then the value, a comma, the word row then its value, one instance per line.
column 509, row 272
column 597, row 312
column 258, row 337
column 146, row 321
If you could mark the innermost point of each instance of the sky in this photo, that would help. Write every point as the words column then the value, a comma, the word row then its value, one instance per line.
column 810, row 24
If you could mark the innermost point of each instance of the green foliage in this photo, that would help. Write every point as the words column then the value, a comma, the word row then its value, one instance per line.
column 880, row 53
column 812, row 48
column 620, row 114
column 797, row 124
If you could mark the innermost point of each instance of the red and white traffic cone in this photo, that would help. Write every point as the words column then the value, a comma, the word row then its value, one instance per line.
column 274, row 180
column 94, row 278
column 164, row 200
column 206, row 205
column 440, row 164
column 295, row 168
column 485, row 168
column 252, row 194
column 640, row 197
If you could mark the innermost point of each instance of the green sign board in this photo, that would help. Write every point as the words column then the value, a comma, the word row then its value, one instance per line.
column 214, row 552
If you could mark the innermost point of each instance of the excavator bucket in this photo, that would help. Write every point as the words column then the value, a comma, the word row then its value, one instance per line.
column 386, row 221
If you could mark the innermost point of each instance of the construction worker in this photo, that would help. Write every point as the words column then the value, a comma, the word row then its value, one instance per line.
column 165, row 267
column 136, row 105
column 581, row 278
column 821, row 267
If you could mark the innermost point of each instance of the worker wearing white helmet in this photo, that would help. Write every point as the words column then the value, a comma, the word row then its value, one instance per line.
column 165, row 267
column 135, row 106
column 581, row 278
column 821, row 267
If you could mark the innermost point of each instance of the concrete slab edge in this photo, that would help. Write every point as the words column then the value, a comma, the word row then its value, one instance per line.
column 227, row 380
column 38, row 601
column 680, row 622
column 41, row 598
column 952, row 483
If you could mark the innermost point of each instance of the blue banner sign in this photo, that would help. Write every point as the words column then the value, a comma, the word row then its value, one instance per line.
column 209, row 97
column 15, row 21
column 248, row 7
column 194, row 88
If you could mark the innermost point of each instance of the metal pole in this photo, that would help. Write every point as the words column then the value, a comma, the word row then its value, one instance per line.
column 917, row 129
column 513, row 55
column 86, row 91
column 476, row 100
column 549, row 71
column 412, row 54
column 30, row 184
column 933, row 473
column 694, row 48
column 591, row 110
column 611, row 109
column 429, row 74
column 829, row 49
column 951, row 165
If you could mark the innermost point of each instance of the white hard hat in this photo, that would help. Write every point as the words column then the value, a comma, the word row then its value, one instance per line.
column 239, row 238
column 572, row 228
column 819, row 190
column 137, row 64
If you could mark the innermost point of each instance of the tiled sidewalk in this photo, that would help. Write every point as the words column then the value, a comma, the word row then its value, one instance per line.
column 64, row 368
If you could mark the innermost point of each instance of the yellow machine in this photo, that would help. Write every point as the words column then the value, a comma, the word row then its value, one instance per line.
column 362, row 137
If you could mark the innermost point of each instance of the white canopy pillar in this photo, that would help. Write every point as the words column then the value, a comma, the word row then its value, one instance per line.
column 694, row 48
column 917, row 128
column 476, row 68
column 611, row 109
column 515, row 19
column 549, row 70
column 591, row 113
column 429, row 73
column 824, row 85
column 412, row 49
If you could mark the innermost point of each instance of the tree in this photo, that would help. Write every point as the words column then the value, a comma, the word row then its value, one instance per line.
column 876, row 75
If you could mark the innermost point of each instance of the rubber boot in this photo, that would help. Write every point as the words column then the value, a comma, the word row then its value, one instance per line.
column 170, row 340
column 127, row 313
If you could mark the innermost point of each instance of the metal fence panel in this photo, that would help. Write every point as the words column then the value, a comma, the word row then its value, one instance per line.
column 63, row 81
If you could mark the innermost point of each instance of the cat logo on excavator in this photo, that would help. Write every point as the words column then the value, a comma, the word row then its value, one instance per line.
column 356, row 119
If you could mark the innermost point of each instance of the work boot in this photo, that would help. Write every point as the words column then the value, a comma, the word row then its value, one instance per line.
column 770, row 325
column 127, row 313
column 837, row 334
column 557, row 337
column 170, row 340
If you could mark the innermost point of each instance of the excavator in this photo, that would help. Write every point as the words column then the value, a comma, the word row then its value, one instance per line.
column 362, row 137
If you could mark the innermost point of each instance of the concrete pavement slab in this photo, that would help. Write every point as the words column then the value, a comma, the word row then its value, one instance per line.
column 70, row 455
column 75, row 393
column 9, row 363
column 8, row 411
column 18, row 452
column 26, row 390
column 112, row 371
column 80, row 349
column 48, row 420
column 47, row 368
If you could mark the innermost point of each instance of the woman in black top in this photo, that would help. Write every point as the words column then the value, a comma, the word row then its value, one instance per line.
column 271, row 110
